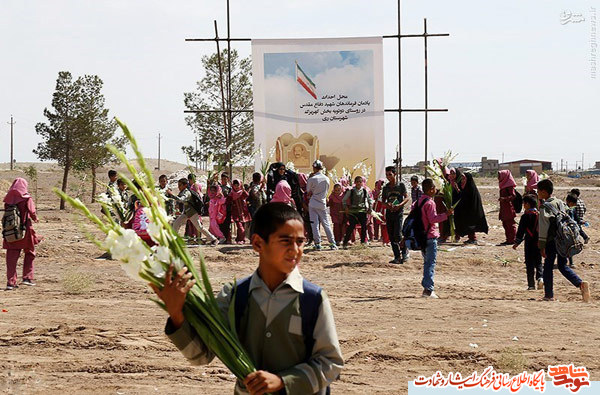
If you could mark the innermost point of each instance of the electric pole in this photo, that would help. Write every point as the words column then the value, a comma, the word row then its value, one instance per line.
column 159, row 151
column 11, row 123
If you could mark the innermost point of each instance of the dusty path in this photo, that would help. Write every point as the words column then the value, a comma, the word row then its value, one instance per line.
column 108, row 338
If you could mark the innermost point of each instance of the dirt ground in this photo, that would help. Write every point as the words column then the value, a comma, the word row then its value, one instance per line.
column 87, row 328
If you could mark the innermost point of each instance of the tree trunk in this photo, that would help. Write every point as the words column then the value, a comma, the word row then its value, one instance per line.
column 64, row 183
column 93, row 184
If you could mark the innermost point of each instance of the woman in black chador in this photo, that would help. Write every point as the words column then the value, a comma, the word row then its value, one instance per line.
column 278, row 172
column 469, row 216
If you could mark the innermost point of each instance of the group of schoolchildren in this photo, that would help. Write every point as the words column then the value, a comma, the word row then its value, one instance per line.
column 286, row 322
column 538, row 228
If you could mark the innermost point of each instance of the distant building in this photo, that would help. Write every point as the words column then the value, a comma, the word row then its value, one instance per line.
column 520, row 167
column 597, row 165
column 489, row 165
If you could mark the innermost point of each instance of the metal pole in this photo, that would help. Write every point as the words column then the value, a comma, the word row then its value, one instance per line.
column 223, row 106
column 12, row 161
column 229, row 155
column 399, row 164
column 196, row 155
column 158, row 151
column 426, row 93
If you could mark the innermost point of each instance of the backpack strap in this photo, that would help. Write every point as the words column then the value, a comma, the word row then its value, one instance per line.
column 242, row 294
column 310, row 302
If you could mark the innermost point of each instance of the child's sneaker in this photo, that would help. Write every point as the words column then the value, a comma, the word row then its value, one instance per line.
column 531, row 288
column 586, row 241
column 540, row 283
column 28, row 282
column 345, row 246
column 214, row 243
column 547, row 299
column 317, row 247
column 585, row 291
column 429, row 294
column 10, row 287
column 333, row 247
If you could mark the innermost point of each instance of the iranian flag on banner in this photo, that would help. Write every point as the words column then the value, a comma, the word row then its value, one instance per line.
column 306, row 82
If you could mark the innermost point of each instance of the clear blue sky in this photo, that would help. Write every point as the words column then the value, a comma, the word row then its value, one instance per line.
column 514, row 78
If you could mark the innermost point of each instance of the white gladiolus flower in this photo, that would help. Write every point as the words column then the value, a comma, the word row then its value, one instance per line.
column 162, row 254
column 111, row 240
column 438, row 183
column 156, row 232
column 129, row 248
column 132, row 271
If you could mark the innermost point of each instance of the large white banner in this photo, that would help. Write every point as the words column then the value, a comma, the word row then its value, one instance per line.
column 320, row 99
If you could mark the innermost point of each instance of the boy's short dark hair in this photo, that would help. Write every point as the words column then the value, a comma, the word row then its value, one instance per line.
column 191, row 176
column 256, row 177
column 112, row 173
column 120, row 182
column 426, row 184
column 546, row 185
column 183, row 181
column 572, row 198
column 414, row 178
column 576, row 192
column 390, row 168
column 224, row 175
column 269, row 217
column 357, row 179
column 162, row 176
column 531, row 200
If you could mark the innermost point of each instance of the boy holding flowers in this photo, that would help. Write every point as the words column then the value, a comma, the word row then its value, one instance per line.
column 272, row 308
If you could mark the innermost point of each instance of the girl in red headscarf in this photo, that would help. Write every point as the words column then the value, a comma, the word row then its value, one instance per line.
column 239, row 209
column 19, row 196
column 507, row 214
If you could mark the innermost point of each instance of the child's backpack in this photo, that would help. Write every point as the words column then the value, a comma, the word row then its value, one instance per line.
column 13, row 229
column 310, row 302
column 567, row 238
column 196, row 202
column 518, row 202
column 413, row 229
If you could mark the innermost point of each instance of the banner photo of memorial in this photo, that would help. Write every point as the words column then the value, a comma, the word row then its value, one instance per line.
column 320, row 99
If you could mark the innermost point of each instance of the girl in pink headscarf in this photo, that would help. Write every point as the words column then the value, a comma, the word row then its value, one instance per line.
column 217, row 211
column 239, row 209
column 532, row 181
column 507, row 214
column 283, row 193
column 19, row 196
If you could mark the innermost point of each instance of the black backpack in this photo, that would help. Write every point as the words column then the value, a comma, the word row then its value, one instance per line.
column 518, row 202
column 567, row 237
column 13, row 229
column 413, row 229
column 196, row 201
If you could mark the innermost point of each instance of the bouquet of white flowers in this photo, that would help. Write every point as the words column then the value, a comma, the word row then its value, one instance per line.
column 150, row 264
column 443, row 185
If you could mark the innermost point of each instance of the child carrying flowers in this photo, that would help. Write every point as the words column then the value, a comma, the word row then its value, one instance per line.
column 273, row 305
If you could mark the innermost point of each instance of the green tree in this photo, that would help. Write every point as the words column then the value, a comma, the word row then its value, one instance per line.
column 96, row 128
column 78, row 128
column 59, row 135
column 211, row 94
